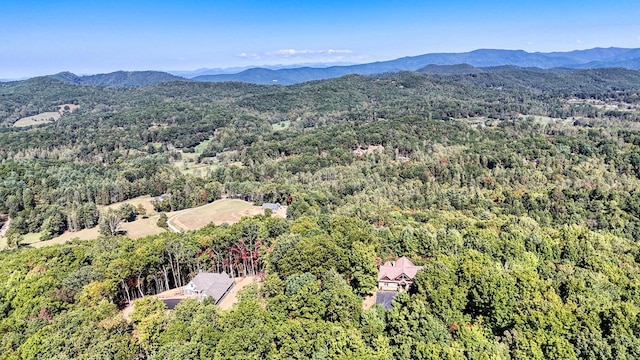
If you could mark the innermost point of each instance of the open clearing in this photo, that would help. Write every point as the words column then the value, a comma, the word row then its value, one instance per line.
column 45, row 117
column 134, row 230
column 221, row 211
column 195, row 169
column 142, row 227
column 218, row 212
column 283, row 125
column 200, row 148
column 144, row 200
column 4, row 226
column 189, row 165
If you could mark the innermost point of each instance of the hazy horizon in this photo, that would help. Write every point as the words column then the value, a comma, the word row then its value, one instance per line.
column 84, row 38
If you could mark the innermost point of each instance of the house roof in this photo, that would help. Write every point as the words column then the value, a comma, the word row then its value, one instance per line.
column 392, row 270
column 213, row 284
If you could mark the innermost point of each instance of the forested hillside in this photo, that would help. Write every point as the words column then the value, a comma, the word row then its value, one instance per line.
column 516, row 190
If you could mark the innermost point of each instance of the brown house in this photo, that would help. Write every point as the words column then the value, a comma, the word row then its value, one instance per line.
column 397, row 275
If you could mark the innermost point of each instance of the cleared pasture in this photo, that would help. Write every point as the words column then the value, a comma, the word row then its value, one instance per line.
column 134, row 230
column 200, row 148
column 45, row 117
column 218, row 212
column 195, row 169
column 145, row 201
column 283, row 125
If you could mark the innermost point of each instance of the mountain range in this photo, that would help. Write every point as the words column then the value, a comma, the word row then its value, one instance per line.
column 578, row 59
column 119, row 78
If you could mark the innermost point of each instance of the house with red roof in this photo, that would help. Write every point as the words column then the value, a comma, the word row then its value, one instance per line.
column 397, row 275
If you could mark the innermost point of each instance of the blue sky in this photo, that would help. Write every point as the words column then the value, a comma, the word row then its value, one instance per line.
column 89, row 36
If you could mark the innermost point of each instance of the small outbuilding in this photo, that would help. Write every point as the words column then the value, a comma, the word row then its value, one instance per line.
column 215, row 285
column 272, row 206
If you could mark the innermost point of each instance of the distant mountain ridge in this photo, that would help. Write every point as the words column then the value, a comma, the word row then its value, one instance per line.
column 234, row 70
column 482, row 58
column 578, row 59
column 119, row 78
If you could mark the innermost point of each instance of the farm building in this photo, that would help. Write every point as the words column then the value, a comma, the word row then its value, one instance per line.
column 209, row 284
column 271, row 206
column 397, row 275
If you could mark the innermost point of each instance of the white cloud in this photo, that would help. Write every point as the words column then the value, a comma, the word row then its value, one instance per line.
column 289, row 53
column 288, row 56
column 331, row 51
column 244, row 55
column 286, row 53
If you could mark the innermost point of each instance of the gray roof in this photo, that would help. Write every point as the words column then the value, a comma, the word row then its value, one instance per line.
column 385, row 298
column 214, row 284
column 271, row 206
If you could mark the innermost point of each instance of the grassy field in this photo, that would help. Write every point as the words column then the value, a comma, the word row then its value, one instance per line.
column 188, row 165
column 134, row 230
column 218, row 212
column 33, row 240
column 144, row 200
column 199, row 170
column 283, row 125
column 42, row 118
column 200, row 148
column 143, row 227
column 221, row 211
column 45, row 117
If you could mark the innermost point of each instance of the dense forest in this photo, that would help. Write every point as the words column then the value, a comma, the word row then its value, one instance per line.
column 515, row 189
